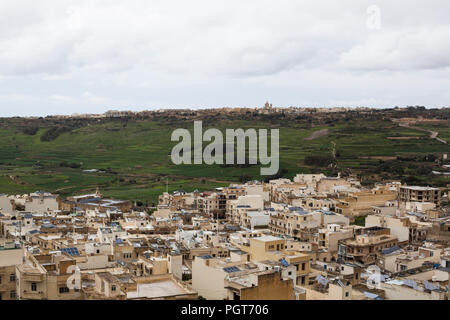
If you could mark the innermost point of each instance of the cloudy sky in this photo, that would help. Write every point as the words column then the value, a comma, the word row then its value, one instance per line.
column 65, row 57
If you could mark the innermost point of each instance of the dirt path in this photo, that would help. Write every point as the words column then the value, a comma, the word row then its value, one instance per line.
column 433, row 134
column 317, row 134
column 333, row 150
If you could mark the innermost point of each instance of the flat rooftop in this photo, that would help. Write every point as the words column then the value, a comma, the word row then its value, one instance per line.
column 267, row 238
column 166, row 288
column 419, row 188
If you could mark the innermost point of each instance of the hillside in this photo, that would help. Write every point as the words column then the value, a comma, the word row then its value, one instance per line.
column 133, row 152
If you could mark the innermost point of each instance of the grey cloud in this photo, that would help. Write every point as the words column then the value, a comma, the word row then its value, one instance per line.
column 291, row 49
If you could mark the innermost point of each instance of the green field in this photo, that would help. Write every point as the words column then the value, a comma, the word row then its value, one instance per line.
column 136, row 157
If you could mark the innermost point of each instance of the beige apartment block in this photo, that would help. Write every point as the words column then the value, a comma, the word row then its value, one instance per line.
column 329, row 237
column 405, row 228
column 44, row 277
column 208, row 277
column 265, row 248
column 263, row 285
column 42, row 202
column 361, row 203
column 367, row 246
column 7, row 205
column 221, row 279
column 420, row 194
column 11, row 255
column 329, row 184
column 336, row 290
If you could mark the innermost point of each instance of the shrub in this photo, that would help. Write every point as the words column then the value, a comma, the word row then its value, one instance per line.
column 64, row 164
column 318, row 161
column 54, row 133
column 30, row 131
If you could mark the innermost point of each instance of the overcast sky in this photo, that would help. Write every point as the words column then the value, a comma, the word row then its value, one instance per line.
column 65, row 57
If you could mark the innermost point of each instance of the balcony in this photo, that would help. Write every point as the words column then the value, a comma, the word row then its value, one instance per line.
column 32, row 295
column 33, row 277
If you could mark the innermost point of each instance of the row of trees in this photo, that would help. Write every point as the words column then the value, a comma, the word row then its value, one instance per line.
column 54, row 133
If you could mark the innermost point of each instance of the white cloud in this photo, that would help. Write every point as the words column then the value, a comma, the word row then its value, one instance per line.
column 419, row 49
column 90, row 97
column 5, row 99
column 62, row 98
column 186, row 52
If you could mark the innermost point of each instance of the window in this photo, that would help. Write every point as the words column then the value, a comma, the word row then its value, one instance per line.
column 303, row 266
column 12, row 277
column 346, row 294
column 12, row 295
column 63, row 290
column 0, row 280
column 113, row 288
column 33, row 286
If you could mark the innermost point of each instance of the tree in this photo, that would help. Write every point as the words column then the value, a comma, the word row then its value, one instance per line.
column 31, row 131
column 244, row 178
column 318, row 161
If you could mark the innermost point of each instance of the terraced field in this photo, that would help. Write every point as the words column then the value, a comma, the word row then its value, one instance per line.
column 135, row 161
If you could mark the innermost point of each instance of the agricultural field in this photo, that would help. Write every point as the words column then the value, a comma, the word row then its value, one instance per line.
column 133, row 157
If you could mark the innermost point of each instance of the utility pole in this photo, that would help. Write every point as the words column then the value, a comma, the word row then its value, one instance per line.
column 217, row 231
column 19, row 231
